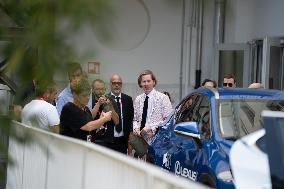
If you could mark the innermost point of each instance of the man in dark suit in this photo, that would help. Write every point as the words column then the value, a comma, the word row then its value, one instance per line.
column 125, row 111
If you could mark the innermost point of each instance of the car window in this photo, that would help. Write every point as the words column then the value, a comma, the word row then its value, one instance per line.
column 240, row 117
column 203, row 118
column 195, row 108
column 184, row 111
column 274, row 139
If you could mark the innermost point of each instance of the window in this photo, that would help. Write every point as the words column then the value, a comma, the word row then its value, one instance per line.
column 184, row 111
column 195, row 108
column 204, row 118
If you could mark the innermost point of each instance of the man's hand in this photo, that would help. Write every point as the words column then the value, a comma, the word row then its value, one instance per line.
column 102, row 100
column 136, row 132
column 145, row 131
column 107, row 115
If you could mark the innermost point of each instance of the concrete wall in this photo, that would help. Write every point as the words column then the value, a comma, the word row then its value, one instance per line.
column 245, row 20
column 208, row 43
column 147, row 35
column 251, row 19
column 151, row 39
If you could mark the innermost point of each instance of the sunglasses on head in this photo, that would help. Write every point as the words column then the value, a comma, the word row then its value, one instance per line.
column 227, row 84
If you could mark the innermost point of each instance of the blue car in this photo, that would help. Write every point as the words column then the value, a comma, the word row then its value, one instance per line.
column 195, row 140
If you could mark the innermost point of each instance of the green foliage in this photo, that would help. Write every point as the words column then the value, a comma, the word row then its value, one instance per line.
column 45, row 26
column 39, row 40
column 39, row 43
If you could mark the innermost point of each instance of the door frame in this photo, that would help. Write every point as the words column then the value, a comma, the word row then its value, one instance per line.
column 267, row 43
column 233, row 46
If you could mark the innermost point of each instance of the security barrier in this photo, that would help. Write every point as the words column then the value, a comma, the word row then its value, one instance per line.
column 51, row 161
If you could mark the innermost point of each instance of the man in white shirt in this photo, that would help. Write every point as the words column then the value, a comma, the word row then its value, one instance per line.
column 150, row 108
column 40, row 112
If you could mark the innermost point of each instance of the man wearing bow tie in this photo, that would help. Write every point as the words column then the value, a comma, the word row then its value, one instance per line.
column 125, row 111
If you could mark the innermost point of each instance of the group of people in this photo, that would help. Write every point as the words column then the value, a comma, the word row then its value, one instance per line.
column 85, row 111
column 229, row 80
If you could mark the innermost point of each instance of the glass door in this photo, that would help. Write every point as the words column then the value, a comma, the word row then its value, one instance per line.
column 273, row 63
column 232, row 58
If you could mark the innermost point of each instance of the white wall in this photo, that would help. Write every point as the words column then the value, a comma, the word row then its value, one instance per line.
column 252, row 19
column 151, row 39
column 155, row 45
column 245, row 20
column 208, row 43
column 48, row 161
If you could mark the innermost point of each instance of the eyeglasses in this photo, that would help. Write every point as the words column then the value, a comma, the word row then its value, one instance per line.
column 227, row 84
column 116, row 83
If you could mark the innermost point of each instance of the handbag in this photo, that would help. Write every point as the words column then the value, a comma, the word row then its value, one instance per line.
column 139, row 145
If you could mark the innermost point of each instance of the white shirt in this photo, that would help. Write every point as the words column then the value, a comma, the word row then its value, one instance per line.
column 159, row 107
column 150, row 104
column 115, row 133
column 39, row 113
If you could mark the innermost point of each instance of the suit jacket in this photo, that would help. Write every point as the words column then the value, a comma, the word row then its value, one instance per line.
column 160, row 109
column 127, row 112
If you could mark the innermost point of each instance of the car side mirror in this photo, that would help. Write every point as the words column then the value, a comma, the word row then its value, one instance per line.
column 188, row 129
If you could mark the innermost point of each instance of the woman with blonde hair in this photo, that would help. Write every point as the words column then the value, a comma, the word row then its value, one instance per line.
column 76, row 119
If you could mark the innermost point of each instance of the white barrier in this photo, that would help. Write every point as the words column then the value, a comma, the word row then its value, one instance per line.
column 53, row 161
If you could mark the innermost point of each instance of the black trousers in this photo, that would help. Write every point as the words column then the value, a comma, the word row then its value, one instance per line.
column 119, row 144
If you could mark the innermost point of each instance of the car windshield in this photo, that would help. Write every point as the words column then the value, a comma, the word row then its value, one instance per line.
column 240, row 117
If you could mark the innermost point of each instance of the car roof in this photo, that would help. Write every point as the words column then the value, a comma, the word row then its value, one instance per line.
column 241, row 93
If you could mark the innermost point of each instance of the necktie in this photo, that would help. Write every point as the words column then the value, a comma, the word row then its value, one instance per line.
column 118, row 127
column 144, row 114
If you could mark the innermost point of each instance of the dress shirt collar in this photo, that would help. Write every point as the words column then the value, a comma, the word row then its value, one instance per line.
column 150, row 95
column 115, row 95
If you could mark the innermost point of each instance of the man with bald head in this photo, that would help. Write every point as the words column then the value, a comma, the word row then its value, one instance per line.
column 125, row 111
column 256, row 86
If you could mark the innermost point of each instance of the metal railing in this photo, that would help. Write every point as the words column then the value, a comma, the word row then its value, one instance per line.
column 51, row 161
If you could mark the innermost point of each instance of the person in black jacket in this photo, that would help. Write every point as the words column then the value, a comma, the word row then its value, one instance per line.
column 124, row 106
column 102, row 103
column 76, row 119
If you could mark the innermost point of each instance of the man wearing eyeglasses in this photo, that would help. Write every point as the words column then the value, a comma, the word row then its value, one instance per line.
column 125, row 111
column 229, row 81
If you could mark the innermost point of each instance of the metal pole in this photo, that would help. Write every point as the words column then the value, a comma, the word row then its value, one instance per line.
column 219, row 21
column 181, row 52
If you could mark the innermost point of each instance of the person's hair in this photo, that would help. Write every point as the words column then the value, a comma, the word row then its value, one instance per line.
column 73, row 67
column 43, row 87
column 168, row 94
column 146, row 72
column 229, row 76
column 97, row 80
column 209, row 80
column 81, row 85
